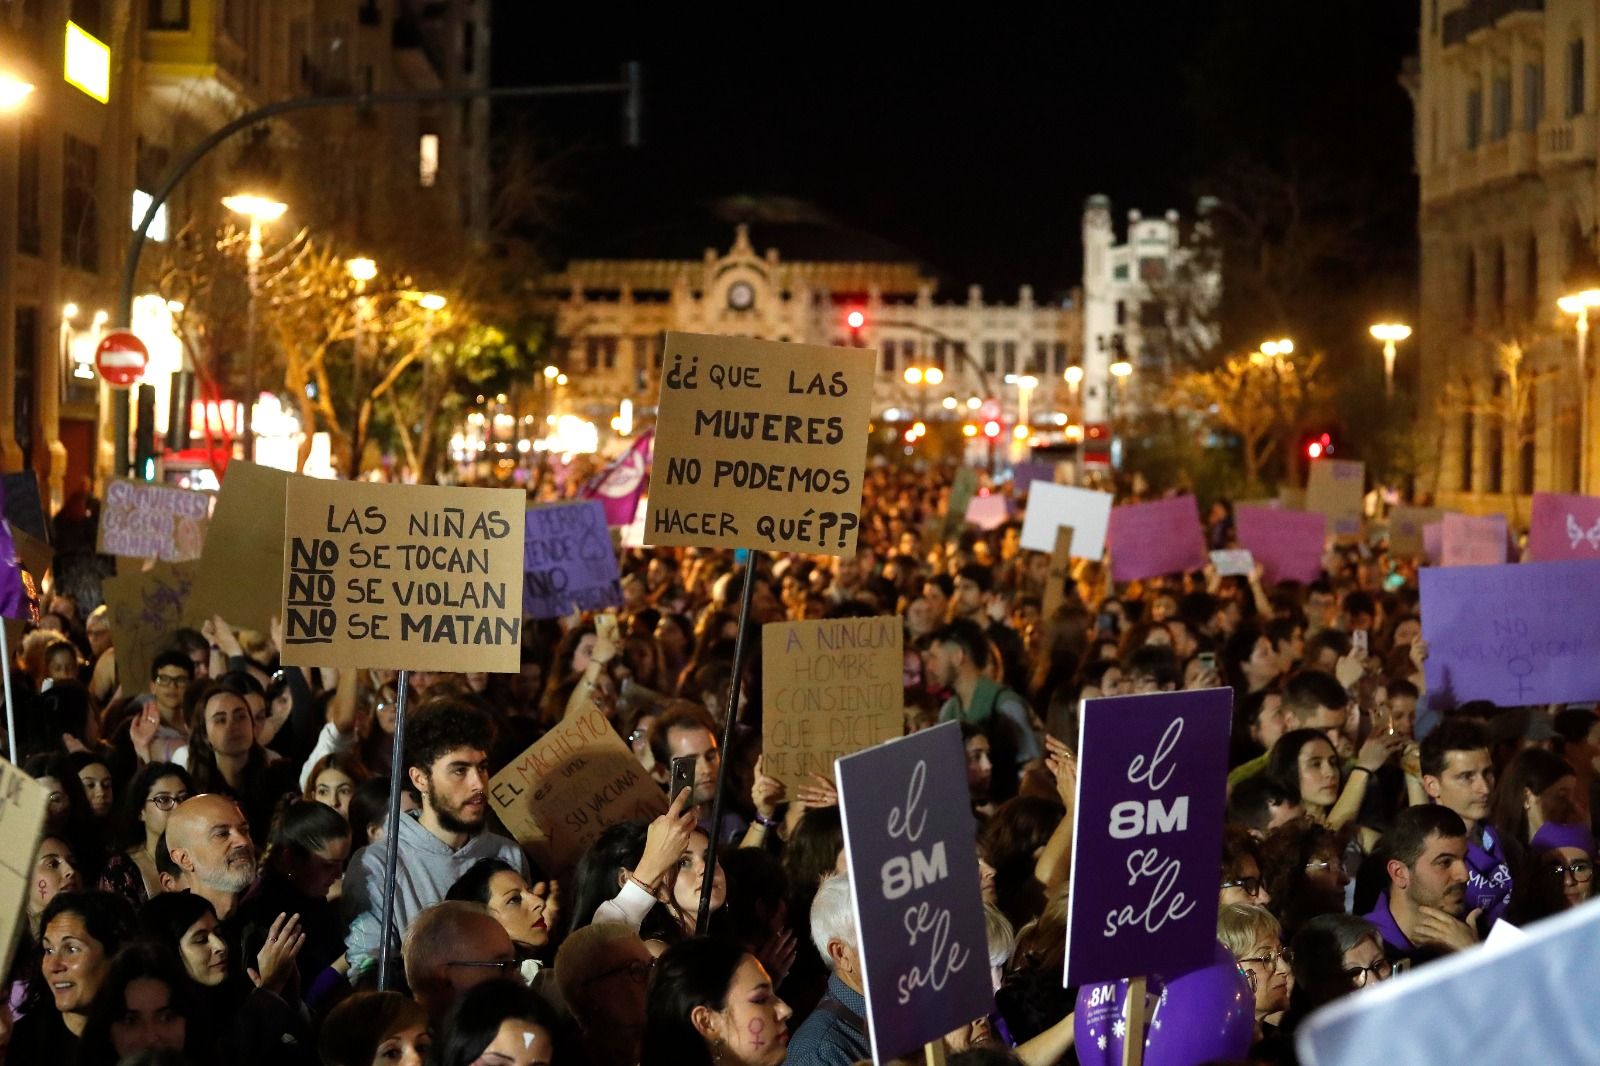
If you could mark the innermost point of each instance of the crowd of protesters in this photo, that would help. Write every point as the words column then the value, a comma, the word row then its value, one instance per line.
column 210, row 883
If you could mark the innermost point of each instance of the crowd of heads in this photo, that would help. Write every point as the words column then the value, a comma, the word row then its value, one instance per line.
column 214, row 871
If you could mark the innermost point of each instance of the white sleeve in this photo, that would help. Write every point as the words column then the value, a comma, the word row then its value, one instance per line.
column 628, row 907
column 329, row 742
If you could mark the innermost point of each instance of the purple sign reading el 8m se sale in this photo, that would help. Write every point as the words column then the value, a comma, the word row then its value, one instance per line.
column 1147, row 844
column 909, row 838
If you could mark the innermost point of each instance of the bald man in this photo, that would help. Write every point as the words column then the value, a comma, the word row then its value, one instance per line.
column 209, row 839
column 452, row 947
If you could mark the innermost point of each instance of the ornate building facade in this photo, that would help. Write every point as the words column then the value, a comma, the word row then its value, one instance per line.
column 610, row 314
column 1507, row 102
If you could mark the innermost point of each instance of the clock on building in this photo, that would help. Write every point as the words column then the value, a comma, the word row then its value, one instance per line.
column 741, row 297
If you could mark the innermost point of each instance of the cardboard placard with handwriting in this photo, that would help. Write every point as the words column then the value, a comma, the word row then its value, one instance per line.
column 760, row 444
column 146, row 521
column 1406, row 525
column 830, row 688
column 145, row 606
column 1334, row 489
column 241, row 567
column 22, row 809
column 568, row 786
column 418, row 577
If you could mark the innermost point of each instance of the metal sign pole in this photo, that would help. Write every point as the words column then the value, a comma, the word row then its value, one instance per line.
column 391, row 832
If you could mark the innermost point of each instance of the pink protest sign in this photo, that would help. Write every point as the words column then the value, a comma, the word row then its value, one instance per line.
column 1287, row 544
column 1564, row 527
column 988, row 512
column 1151, row 539
column 1433, row 540
column 1472, row 540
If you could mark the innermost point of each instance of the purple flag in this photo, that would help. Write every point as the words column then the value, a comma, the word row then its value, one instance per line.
column 620, row 485
column 1564, row 527
column 914, row 879
column 1287, row 544
column 1147, row 845
column 1473, row 540
column 18, row 597
column 1517, row 633
column 567, row 561
column 1160, row 537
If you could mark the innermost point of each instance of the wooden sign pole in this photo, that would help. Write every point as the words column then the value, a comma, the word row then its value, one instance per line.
column 11, row 716
column 703, row 919
column 391, row 827
column 1133, row 1043
column 933, row 1053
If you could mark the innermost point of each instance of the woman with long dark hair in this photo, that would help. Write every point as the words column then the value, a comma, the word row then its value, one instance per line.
column 526, row 908
column 371, row 1028
column 79, row 934
column 713, row 1003
column 151, row 797
column 145, row 1004
column 305, row 857
column 499, row 1022
column 223, row 755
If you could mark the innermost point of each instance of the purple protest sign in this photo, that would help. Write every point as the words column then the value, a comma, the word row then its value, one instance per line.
column 1564, row 527
column 1026, row 473
column 567, row 561
column 914, row 877
column 1147, row 844
column 1287, row 544
column 1160, row 537
column 1433, row 540
column 1514, row 633
column 18, row 598
column 1472, row 540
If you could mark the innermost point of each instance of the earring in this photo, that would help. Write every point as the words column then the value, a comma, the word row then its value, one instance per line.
column 716, row 1052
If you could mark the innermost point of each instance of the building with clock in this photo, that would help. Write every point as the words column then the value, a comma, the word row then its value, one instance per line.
column 782, row 271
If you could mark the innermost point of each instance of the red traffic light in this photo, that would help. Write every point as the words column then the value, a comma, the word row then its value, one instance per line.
column 1314, row 449
column 856, row 318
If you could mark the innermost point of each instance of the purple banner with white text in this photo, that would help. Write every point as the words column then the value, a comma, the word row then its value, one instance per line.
column 1147, row 845
column 914, row 876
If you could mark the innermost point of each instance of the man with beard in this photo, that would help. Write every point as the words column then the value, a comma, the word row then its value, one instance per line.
column 209, row 839
column 1421, row 912
column 447, row 761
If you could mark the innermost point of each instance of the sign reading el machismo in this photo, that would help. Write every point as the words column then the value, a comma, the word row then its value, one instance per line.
column 417, row 577
column 760, row 444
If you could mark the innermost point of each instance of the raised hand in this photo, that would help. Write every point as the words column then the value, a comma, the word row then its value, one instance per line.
column 767, row 791
column 275, row 963
column 666, row 840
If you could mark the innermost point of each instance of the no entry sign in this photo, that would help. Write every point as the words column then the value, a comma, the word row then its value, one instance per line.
column 121, row 358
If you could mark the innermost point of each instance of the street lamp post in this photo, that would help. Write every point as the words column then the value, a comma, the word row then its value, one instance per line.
column 361, row 270
column 1390, row 333
column 259, row 210
column 1579, row 304
column 920, row 378
column 13, row 91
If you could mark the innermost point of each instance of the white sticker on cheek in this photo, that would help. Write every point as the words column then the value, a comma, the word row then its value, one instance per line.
column 527, row 1039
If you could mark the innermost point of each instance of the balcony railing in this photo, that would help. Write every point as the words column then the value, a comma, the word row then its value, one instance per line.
column 1475, row 15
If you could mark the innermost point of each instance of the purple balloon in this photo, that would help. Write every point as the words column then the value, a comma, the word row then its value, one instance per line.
column 1203, row 1015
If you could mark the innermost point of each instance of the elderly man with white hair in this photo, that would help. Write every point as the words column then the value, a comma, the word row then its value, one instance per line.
column 836, row 1032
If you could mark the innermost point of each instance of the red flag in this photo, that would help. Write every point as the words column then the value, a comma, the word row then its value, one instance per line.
column 619, row 486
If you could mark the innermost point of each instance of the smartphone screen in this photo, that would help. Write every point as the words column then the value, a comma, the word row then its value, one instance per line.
column 1208, row 660
column 1358, row 642
column 682, row 776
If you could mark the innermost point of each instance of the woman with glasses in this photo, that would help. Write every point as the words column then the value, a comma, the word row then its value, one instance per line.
column 1241, row 870
column 1304, row 873
column 1254, row 937
column 1560, row 873
column 1334, row 955
column 152, row 795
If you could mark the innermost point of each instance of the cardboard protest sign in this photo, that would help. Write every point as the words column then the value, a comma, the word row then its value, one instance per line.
column 22, row 506
column 1291, row 499
column 1055, row 582
column 1156, row 538
column 146, row 521
column 1406, row 525
column 1233, row 562
column 1564, row 527
column 145, row 607
column 1473, row 540
column 908, row 834
column 241, row 566
column 1152, row 798
column 988, row 512
column 1287, row 544
column 568, row 562
column 829, row 688
column 962, row 489
column 22, row 810
column 1514, row 634
column 568, row 786
column 1051, row 506
column 1334, row 489
column 760, row 444
column 1459, row 1008
column 418, row 577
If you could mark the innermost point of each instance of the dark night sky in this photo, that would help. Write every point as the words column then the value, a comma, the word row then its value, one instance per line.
column 973, row 155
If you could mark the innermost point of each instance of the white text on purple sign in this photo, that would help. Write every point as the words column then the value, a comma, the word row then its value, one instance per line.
column 1152, row 817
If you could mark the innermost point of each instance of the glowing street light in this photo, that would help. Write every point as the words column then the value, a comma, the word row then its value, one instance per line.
column 1579, row 304
column 1390, row 333
column 361, row 269
column 13, row 91
column 1121, row 368
column 431, row 301
column 259, row 210
column 913, row 375
column 551, row 372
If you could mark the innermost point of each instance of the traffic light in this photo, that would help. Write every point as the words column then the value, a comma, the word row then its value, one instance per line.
column 856, row 318
column 1319, row 446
